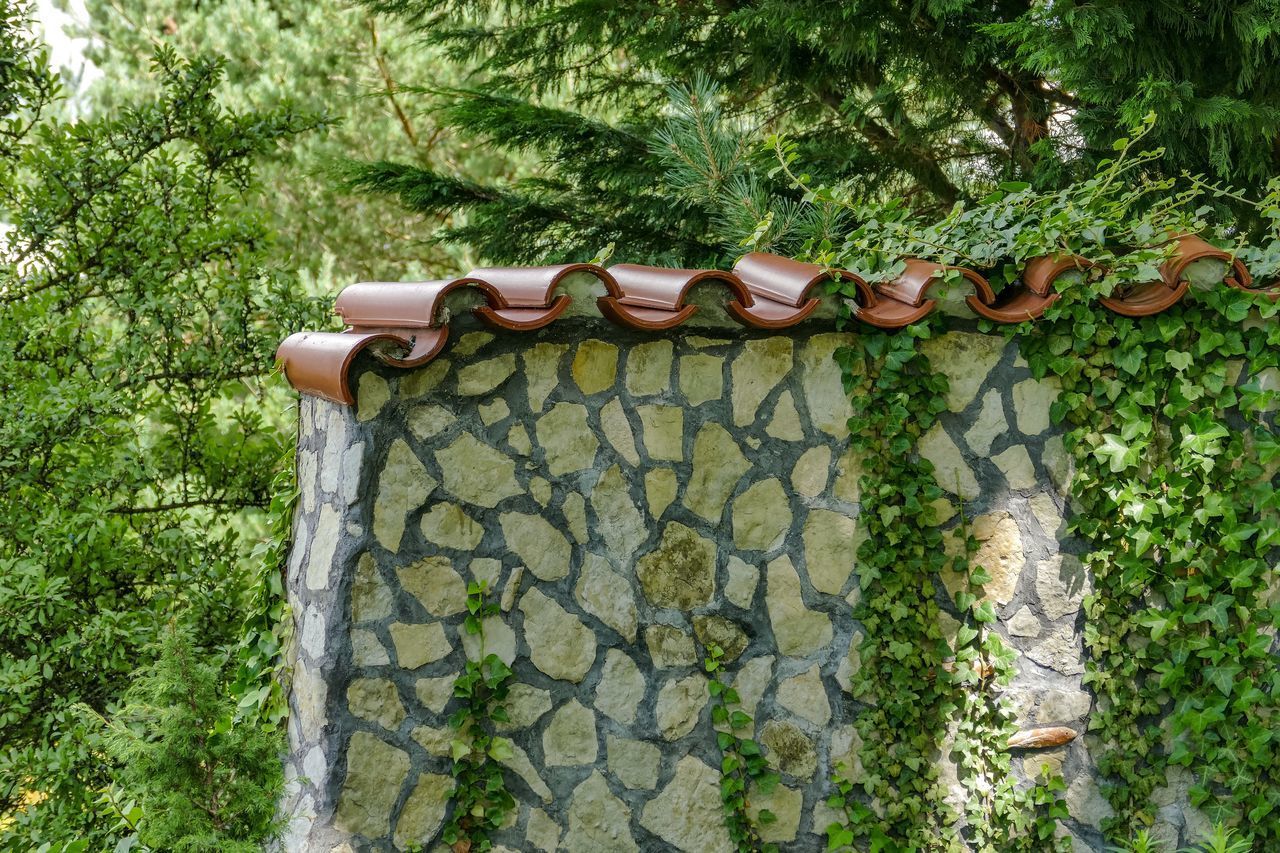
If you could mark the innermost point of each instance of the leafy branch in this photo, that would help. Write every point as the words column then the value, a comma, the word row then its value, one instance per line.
column 743, row 768
column 480, row 800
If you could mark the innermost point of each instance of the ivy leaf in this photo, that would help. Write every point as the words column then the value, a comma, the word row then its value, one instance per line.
column 1130, row 360
column 459, row 749
column 1179, row 361
column 1115, row 453
column 1223, row 676
column 500, row 749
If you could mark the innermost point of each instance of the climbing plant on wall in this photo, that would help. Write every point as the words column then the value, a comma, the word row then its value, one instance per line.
column 1175, row 455
column 919, row 683
column 1170, row 421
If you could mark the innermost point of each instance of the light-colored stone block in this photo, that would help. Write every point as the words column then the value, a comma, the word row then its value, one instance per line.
column 477, row 473
column 718, row 465
column 595, row 366
column 686, row 814
column 798, row 630
column 375, row 773
column 649, row 368
column 567, row 441
column 761, row 515
column 570, row 737
column 559, row 644
column 701, row 378
column 762, row 364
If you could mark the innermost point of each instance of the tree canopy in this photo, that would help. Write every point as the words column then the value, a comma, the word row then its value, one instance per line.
column 935, row 101
column 138, row 321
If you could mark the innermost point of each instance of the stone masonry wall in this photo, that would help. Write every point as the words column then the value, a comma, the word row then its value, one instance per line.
column 630, row 498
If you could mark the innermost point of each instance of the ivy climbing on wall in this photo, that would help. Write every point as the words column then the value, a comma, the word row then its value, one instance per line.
column 744, row 771
column 481, row 801
column 930, row 693
column 1171, row 422
column 1173, row 435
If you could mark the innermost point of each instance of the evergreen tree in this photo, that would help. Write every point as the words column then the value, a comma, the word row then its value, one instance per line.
column 935, row 101
column 1207, row 68
column 200, row 784
column 330, row 58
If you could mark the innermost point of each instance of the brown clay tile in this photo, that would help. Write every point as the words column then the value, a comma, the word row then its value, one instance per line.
column 1042, row 738
column 768, row 314
column 1040, row 273
column 780, row 279
column 654, row 297
column 1145, row 299
column 920, row 277
column 401, row 304
column 910, row 290
column 891, row 314
column 402, row 322
column 1191, row 248
column 317, row 363
column 784, row 289
column 1029, row 298
column 525, row 295
column 648, row 319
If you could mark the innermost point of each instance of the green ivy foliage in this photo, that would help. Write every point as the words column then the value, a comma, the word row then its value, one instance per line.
column 930, row 698
column 480, row 800
column 1170, row 420
column 744, row 770
column 1171, row 423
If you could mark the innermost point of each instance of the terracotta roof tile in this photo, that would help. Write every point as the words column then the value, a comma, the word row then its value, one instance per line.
column 405, row 324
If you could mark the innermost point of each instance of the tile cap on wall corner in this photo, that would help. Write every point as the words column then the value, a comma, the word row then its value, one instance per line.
column 404, row 324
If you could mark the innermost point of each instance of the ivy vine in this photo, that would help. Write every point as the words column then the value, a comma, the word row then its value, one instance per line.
column 744, row 771
column 480, row 800
column 921, row 687
column 1170, row 420
column 259, row 682
column 1175, row 451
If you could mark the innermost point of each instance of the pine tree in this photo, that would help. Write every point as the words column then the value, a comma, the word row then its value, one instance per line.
column 330, row 58
column 934, row 101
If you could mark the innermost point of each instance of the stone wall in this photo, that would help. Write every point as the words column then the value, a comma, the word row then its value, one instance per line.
column 630, row 498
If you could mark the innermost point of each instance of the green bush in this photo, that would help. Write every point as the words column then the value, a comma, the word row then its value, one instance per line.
column 138, row 317
column 200, row 783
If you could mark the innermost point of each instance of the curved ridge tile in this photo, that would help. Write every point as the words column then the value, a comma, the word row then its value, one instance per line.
column 1192, row 248
column 403, row 324
column 779, row 279
column 653, row 298
column 1040, row 273
column 526, row 295
column 768, row 314
column 783, row 289
column 904, row 300
column 919, row 277
column 317, row 363
column 1032, row 295
column 402, row 304
column 1146, row 298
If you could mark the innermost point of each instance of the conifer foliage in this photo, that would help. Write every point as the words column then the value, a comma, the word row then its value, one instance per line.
column 936, row 101
column 202, row 785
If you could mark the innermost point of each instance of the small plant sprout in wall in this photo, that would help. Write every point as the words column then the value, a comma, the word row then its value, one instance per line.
column 743, row 769
column 1222, row 840
column 481, row 801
